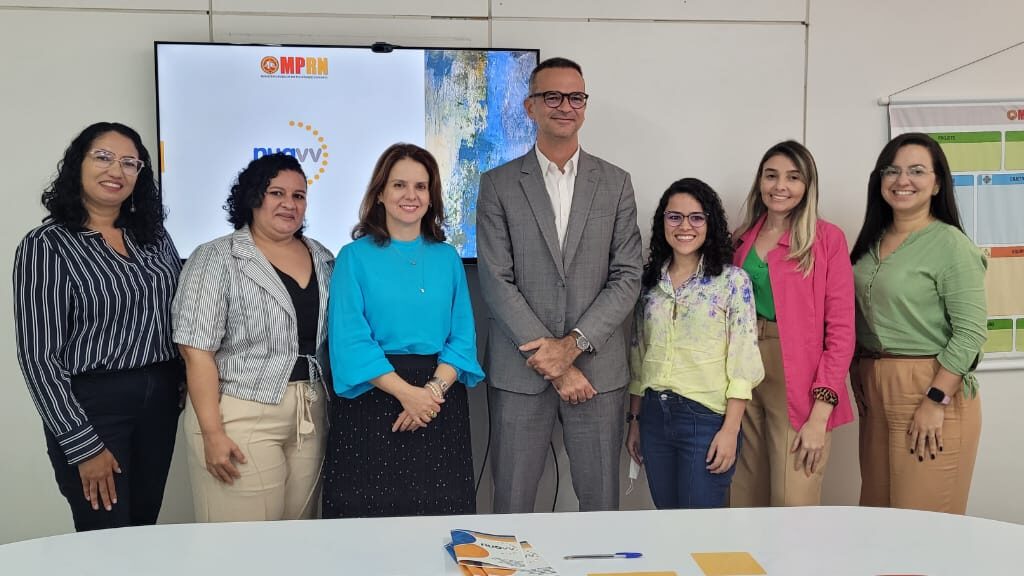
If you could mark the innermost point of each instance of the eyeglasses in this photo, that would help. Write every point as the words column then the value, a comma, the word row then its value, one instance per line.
column 554, row 98
column 105, row 159
column 697, row 219
column 914, row 172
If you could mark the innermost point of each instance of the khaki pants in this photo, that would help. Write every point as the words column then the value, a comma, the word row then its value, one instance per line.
column 281, row 477
column 764, row 471
column 890, row 474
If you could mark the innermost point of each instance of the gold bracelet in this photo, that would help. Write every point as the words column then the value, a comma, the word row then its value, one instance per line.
column 440, row 383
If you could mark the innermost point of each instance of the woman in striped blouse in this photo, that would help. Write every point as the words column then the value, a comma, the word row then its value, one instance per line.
column 92, row 300
column 249, row 316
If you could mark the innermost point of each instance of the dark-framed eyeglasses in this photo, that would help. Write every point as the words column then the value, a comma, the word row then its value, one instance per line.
column 554, row 98
column 105, row 159
column 675, row 219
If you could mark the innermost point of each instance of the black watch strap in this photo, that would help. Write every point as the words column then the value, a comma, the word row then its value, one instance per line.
column 631, row 417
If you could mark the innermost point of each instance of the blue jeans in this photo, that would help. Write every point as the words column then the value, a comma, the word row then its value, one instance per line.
column 675, row 434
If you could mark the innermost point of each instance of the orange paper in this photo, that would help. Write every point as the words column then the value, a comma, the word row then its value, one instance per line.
column 727, row 564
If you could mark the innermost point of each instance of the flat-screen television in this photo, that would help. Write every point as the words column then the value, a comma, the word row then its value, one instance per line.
column 335, row 108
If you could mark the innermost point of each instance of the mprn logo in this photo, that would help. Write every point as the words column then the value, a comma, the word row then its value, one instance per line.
column 1015, row 115
column 294, row 66
column 269, row 65
column 317, row 153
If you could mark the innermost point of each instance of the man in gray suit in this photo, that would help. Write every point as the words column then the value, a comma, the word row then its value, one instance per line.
column 559, row 265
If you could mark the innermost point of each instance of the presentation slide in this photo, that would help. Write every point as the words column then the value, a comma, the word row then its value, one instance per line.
column 335, row 109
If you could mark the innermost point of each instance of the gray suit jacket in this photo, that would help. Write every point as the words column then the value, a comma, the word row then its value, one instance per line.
column 535, row 289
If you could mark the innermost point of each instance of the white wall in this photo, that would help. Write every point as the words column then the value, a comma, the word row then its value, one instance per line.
column 858, row 52
column 73, row 62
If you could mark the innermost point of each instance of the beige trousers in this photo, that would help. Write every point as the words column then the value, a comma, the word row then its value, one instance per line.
column 891, row 476
column 764, row 470
column 281, row 477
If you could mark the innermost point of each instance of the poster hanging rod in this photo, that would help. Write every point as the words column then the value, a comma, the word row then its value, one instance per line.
column 886, row 100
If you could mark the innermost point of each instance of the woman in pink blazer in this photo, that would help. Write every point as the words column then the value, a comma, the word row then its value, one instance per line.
column 800, row 268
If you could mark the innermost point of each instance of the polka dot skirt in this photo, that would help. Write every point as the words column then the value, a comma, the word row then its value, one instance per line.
column 371, row 471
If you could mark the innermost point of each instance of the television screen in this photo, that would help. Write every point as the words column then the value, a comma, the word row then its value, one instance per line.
column 335, row 109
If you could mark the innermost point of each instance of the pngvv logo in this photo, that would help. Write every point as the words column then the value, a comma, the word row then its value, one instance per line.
column 294, row 67
column 310, row 148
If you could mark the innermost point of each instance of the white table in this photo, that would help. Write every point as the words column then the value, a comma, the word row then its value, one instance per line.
column 831, row 541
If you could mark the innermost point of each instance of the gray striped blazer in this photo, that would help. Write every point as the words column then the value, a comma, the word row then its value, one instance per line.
column 230, row 301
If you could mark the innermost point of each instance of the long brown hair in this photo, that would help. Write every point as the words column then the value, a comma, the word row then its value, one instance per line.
column 372, row 216
column 803, row 219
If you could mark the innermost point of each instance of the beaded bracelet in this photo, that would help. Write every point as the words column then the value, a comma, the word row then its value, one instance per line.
column 434, row 389
column 439, row 386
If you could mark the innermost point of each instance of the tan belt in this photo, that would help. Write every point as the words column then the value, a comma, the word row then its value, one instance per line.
column 767, row 328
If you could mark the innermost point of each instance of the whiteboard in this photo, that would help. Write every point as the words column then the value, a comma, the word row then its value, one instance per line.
column 458, row 8
column 176, row 5
column 680, row 99
column 745, row 10
column 339, row 31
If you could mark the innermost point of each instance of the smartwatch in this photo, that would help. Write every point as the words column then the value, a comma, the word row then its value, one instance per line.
column 937, row 396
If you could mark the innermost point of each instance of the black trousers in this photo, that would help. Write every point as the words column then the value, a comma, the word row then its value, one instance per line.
column 135, row 412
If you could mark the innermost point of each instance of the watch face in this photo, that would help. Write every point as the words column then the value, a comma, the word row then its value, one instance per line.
column 582, row 343
column 937, row 395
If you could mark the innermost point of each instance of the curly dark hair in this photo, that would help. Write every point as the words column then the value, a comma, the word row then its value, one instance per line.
column 878, row 214
column 62, row 198
column 373, row 217
column 717, row 249
column 251, row 186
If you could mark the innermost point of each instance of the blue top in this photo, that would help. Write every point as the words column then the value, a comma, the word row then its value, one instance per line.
column 402, row 298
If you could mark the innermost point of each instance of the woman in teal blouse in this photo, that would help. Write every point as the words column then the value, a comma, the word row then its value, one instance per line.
column 403, row 348
column 920, row 290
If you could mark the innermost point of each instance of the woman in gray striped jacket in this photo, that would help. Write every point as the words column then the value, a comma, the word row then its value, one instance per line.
column 249, row 316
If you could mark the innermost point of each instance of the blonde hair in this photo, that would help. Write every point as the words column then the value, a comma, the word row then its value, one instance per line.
column 803, row 220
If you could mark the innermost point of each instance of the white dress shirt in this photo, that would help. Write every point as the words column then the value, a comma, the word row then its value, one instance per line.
column 560, row 184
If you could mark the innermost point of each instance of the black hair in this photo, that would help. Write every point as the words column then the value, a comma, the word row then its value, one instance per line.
column 556, row 62
column 717, row 249
column 251, row 186
column 878, row 215
column 142, row 214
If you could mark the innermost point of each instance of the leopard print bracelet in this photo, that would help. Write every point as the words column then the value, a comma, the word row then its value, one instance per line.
column 825, row 395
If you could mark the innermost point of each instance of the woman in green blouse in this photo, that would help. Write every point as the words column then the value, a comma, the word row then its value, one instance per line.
column 920, row 290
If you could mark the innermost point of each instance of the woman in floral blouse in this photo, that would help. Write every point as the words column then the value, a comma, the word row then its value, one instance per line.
column 694, row 357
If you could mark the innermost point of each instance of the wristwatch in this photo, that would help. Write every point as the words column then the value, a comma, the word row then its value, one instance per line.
column 631, row 417
column 582, row 342
column 938, row 396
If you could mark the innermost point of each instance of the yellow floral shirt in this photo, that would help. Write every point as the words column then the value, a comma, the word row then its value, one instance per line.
column 699, row 341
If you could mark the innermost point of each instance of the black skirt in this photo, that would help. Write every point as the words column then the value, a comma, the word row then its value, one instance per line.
column 371, row 471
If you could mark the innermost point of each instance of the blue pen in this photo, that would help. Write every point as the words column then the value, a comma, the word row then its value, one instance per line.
column 596, row 556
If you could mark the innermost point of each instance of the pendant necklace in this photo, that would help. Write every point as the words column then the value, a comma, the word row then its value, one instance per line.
column 415, row 261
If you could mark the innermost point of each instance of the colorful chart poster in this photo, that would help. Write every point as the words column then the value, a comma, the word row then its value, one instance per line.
column 984, row 142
